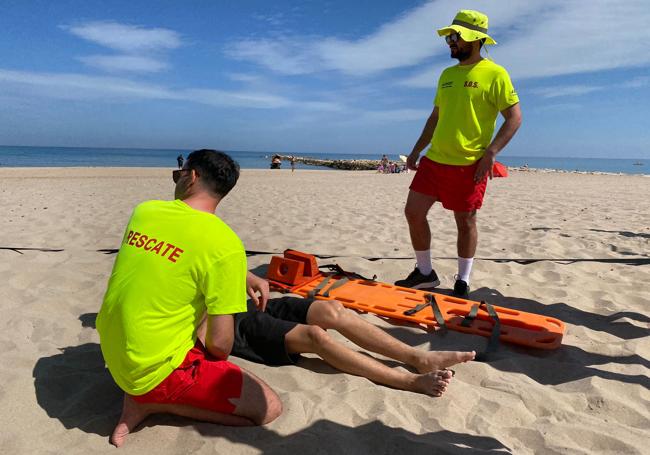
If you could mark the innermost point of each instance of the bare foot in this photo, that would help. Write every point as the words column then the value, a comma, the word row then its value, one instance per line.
column 433, row 383
column 132, row 414
column 439, row 360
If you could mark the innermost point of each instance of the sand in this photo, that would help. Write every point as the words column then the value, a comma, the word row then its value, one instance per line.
column 590, row 396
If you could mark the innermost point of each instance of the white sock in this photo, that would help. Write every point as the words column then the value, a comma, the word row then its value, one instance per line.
column 464, row 268
column 424, row 261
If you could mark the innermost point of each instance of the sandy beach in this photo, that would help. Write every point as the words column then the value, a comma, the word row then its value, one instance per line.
column 590, row 396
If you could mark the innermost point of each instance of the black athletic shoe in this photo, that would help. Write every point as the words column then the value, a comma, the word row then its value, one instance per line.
column 416, row 280
column 461, row 289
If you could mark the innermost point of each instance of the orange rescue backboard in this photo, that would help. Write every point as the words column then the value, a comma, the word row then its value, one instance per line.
column 298, row 273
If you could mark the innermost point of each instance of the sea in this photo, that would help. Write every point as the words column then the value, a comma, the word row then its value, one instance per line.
column 21, row 156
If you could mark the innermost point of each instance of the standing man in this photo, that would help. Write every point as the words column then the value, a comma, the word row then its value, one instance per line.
column 462, row 151
column 177, row 262
column 180, row 160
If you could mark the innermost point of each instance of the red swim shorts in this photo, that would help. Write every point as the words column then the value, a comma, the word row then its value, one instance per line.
column 453, row 186
column 201, row 381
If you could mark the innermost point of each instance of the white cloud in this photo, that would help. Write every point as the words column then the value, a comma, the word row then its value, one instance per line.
column 243, row 77
column 408, row 40
column 82, row 87
column 579, row 37
column 291, row 56
column 126, row 38
column 567, row 90
column 241, row 98
column 536, row 40
column 128, row 63
column 564, row 37
column 78, row 86
column 425, row 79
column 140, row 48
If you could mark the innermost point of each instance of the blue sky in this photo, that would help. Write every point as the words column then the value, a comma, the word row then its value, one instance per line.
column 313, row 76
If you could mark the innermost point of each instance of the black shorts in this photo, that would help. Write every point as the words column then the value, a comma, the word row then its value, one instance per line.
column 259, row 336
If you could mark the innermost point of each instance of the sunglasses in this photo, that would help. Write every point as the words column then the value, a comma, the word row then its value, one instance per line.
column 452, row 37
column 176, row 174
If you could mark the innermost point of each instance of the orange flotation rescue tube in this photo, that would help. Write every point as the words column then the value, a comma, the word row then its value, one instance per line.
column 298, row 273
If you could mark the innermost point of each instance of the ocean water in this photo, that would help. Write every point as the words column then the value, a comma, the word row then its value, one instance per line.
column 11, row 156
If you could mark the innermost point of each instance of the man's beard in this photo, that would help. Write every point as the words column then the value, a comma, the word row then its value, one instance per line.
column 461, row 54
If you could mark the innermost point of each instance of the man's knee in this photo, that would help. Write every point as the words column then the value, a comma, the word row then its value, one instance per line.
column 415, row 213
column 258, row 402
column 269, row 412
column 465, row 221
column 273, row 409
column 328, row 313
column 317, row 337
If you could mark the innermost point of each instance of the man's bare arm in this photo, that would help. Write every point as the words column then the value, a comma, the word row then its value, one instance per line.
column 512, row 123
column 220, row 335
column 424, row 139
column 512, row 117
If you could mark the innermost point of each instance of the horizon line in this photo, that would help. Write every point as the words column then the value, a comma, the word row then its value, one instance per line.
column 275, row 151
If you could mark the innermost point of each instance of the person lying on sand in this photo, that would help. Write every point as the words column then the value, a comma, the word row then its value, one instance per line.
column 276, row 331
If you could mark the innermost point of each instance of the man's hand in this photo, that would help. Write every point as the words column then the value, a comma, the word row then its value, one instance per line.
column 512, row 116
column 485, row 166
column 255, row 284
column 412, row 161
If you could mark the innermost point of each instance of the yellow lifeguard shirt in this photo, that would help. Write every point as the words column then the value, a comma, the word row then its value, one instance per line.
column 469, row 98
column 174, row 263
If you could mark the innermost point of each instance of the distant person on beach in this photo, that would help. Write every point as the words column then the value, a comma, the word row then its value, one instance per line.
column 276, row 162
column 291, row 325
column 462, row 152
column 179, row 264
column 384, row 163
column 180, row 160
column 293, row 163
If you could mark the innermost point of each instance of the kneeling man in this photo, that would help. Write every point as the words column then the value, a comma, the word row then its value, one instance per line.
column 176, row 262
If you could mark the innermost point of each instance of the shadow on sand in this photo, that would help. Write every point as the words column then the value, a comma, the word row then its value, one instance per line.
column 629, row 234
column 566, row 364
column 569, row 363
column 75, row 388
column 600, row 323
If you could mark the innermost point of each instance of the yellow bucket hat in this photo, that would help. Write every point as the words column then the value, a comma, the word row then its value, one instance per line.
column 471, row 25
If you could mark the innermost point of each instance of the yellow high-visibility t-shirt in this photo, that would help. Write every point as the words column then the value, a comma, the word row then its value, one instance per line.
column 174, row 264
column 469, row 98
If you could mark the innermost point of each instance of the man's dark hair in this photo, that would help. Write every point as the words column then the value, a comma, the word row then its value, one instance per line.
column 217, row 171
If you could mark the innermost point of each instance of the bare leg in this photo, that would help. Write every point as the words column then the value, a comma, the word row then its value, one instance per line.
column 467, row 233
column 332, row 315
column 417, row 207
column 313, row 339
column 258, row 405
